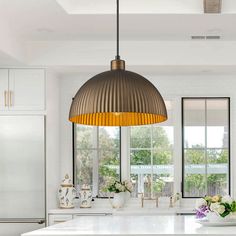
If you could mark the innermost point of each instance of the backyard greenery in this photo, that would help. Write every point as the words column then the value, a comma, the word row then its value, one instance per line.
column 149, row 145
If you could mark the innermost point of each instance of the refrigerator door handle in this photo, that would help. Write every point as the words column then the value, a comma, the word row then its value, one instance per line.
column 22, row 220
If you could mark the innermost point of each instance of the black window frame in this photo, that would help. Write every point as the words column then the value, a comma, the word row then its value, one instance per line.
column 229, row 141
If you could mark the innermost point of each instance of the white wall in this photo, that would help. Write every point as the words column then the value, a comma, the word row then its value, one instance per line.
column 171, row 87
column 52, row 140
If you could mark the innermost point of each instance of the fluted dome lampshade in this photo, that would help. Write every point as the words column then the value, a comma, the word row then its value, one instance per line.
column 118, row 98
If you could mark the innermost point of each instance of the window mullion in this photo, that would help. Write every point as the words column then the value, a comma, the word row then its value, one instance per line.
column 205, row 151
column 96, row 161
column 151, row 193
column 124, row 153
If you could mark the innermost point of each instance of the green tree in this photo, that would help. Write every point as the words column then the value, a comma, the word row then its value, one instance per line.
column 87, row 150
column 147, row 142
column 195, row 184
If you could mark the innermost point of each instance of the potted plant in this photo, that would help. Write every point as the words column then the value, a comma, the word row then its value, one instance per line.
column 119, row 190
column 216, row 208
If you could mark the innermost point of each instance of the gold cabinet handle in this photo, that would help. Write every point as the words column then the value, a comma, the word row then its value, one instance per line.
column 6, row 98
column 10, row 98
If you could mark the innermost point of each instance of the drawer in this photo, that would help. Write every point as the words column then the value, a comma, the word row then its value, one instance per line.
column 56, row 219
column 90, row 214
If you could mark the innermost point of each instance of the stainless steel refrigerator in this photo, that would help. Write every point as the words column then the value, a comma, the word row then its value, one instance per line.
column 22, row 174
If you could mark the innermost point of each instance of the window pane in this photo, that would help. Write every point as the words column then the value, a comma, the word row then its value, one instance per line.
column 217, row 112
column 140, row 157
column 194, row 156
column 194, row 137
column 217, row 137
column 218, row 169
column 195, row 171
column 151, row 158
column 163, row 137
column 85, row 139
column 140, row 137
column 84, row 167
column 217, row 184
column 206, row 161
column 109, row 137
column 109, row 166
column 163, row 172
column 97, row 152
column 217, row 123
column 194, row 185
column 194, row 123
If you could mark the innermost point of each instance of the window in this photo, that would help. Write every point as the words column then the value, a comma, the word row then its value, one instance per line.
column 154, row 152
column 205, row 146
column 151, row 158
column 97, row 156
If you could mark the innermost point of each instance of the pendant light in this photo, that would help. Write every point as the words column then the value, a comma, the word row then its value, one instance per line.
column 118, row 98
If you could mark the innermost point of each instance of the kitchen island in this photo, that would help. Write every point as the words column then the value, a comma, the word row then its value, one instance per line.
column 131, row 226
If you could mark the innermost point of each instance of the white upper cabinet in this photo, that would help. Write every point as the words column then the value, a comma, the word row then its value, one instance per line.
column 3, row 89
column 22, row 89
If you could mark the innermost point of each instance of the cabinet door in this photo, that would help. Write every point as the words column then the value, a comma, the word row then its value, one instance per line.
column 3, row 89
column 22, row 167
column 26, row 89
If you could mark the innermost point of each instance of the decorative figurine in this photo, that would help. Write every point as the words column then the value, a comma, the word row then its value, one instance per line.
column 85, row 196
column 66, row 193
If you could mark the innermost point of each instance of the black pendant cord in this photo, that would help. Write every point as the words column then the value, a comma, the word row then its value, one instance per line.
column 117, row 30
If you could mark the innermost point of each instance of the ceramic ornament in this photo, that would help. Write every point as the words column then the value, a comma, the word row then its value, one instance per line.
column 85, row 196
column 66, row 193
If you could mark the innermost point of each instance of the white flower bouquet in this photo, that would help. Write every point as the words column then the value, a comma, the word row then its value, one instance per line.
column 221, row 206
column 115, row 186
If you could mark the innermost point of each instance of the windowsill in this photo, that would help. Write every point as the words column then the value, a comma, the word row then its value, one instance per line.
column 133, row 206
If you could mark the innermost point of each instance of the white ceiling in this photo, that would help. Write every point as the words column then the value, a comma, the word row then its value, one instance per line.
column 59, row 27
column 132, row 6
column 141, row 6
column 47, row 20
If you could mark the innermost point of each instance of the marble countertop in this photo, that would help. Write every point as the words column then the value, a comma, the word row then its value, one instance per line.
column 131, row 226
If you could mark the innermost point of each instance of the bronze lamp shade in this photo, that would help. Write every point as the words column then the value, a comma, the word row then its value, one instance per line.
column 118, row 98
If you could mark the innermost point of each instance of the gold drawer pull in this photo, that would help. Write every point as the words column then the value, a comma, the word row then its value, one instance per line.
column 6, row 98
column 11, row 95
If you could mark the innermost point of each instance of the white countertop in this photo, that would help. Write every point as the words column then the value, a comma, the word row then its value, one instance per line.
column 131, row 226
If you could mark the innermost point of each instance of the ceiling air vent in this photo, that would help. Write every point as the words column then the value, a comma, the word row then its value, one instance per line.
column 205, row 37
column 213, row 37
column 212, row 6
column 198, row 37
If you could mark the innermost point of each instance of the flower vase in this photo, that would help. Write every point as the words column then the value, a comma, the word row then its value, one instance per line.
column 215, row 217
column 127, row 196
column 118, row 200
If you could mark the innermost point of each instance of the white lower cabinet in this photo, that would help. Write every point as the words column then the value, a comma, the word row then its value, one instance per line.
column 59, row 218
column 16, row 229
column 3, row 89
